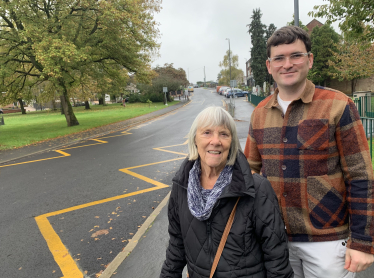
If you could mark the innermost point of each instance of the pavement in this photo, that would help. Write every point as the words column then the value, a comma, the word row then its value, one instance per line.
column 144, row 255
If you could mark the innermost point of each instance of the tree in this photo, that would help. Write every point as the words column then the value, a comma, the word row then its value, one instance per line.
column 258, row 50
column 166, row 76
column 324, row 40
column 356, row 17
column 57, row 41
column 236, row 73
column 353, row 61
column 269, row 32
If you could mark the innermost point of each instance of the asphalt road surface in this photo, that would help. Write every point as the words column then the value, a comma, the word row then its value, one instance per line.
column 70, row 212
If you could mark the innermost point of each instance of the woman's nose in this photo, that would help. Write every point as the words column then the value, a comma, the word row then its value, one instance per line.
column 215, row 140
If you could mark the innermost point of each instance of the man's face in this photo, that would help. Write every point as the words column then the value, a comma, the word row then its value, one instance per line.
column 289, row 75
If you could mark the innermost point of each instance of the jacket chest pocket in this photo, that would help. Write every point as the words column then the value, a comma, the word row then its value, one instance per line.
column 313, row 135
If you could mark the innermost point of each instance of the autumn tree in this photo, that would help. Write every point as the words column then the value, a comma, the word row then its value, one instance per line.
column 55, row 41
column 355, row 17
column 353, row 61
column 324, row 40
column 236, row 73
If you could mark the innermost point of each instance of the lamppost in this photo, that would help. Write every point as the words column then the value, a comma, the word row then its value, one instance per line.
column 296, row 13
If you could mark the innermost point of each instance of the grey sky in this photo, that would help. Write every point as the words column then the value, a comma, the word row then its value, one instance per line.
column 193, row 32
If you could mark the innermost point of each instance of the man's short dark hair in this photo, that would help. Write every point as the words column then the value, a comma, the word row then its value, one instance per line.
column 288, row 35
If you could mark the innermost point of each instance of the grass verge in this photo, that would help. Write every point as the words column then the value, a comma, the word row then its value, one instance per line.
column 22, row 130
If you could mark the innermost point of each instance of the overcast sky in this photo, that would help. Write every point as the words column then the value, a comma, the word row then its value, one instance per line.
column 193, row 32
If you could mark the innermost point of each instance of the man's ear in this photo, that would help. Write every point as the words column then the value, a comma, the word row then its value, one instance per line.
column 268, row 66
column 311, row 59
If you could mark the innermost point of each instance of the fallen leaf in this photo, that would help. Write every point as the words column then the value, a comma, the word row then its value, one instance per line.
column 20, row 268
column 97, row 216
column 100, row 232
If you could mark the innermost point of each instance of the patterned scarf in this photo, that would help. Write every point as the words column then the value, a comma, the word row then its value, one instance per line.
column 201, row 201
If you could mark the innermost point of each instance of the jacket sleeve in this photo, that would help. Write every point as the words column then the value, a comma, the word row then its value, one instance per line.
column 175, row 255
column 251, row 150
column 270, row 230
column 358, row 175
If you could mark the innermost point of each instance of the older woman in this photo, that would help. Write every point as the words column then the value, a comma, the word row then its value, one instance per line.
column 204, row 193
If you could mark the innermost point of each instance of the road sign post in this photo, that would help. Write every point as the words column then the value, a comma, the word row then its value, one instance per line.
column 165, row 90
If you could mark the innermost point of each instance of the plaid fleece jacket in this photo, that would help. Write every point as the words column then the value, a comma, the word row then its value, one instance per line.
column 317, row 159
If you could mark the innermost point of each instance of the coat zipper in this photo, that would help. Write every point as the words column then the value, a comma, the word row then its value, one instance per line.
column 209, row 232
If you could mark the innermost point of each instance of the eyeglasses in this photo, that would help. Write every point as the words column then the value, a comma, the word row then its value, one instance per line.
column 296, row 58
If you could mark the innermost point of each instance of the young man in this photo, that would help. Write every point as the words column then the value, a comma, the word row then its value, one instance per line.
column 309, row 142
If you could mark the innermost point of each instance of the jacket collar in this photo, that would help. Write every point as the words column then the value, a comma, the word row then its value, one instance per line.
column 242, row 182
column 306, row 96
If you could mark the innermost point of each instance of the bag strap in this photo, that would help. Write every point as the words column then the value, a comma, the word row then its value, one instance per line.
column 223, row 239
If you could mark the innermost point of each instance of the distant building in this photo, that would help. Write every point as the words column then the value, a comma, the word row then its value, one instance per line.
column 313, row 24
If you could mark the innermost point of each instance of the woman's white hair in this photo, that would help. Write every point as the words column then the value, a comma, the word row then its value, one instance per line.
column 214, row 116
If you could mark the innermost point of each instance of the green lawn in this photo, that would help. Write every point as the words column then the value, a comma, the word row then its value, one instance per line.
column 21, row 130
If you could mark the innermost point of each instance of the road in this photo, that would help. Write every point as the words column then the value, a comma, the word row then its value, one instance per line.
column 70, row 212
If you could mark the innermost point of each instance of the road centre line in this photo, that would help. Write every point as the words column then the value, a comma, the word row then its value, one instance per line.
column 60, row 253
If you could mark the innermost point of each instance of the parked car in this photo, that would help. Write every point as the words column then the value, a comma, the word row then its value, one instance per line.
column 235, row 93
column 196, row 86
column 220, row 90
column 224, row 91
column 190, row 88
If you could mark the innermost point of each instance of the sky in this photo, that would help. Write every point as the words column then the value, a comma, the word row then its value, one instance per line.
column 193, row 32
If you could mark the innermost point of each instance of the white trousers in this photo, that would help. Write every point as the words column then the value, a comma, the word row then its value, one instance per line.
column 319, row 259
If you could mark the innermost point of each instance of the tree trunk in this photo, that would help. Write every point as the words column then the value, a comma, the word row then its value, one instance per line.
column 353, row 84
column 100, row 100
column 22, row 107
column 68, row 109
column 87, row 105
column 62, row 108
column 103, row 95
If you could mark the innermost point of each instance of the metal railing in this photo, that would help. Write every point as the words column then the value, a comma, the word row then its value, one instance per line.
column 368, row 124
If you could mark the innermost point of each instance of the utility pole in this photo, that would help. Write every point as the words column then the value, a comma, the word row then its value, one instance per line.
column 229, row 60
column 204, row 76
column 296, row 13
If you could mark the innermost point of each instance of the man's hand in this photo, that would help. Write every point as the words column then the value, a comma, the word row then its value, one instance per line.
column 356, row 261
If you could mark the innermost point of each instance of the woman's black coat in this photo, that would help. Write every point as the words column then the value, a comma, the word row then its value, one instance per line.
column 256, row 245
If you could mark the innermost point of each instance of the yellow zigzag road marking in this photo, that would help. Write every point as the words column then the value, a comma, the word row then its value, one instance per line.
column 60, row 253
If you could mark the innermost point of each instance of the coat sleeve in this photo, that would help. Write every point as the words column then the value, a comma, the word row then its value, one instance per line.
column 175, row 255
column 358, row 176
column 270, row 230
column 251, row 151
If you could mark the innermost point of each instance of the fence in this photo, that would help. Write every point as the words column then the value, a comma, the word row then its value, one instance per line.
column 255, row 100
column 365, row 107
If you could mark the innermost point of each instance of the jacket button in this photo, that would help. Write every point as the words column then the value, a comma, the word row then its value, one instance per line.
column 284, row 167
column 285, row 140
column 284, row 194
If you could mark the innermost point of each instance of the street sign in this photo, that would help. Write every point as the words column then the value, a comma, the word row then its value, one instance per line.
column 233, row 83
column 165, row 89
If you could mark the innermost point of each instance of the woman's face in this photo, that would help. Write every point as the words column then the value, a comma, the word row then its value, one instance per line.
column 213, row 145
